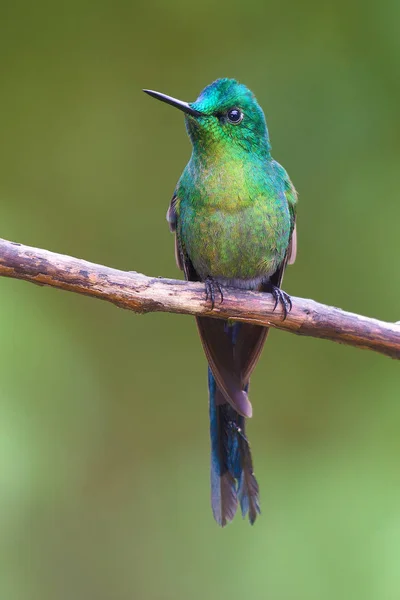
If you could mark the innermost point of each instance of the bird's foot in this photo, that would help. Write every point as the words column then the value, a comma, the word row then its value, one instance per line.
column 213, row 287
column 283, row 298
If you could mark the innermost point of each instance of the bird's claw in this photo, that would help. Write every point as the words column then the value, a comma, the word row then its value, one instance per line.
column 283, row 298
column 211, row 287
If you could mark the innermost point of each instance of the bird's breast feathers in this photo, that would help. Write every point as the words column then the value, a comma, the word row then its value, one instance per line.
column 235, row 239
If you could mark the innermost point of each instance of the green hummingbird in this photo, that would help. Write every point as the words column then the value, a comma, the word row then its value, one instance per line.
column 233, row 213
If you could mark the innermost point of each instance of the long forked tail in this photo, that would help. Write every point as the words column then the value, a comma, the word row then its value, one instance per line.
column 232, row 477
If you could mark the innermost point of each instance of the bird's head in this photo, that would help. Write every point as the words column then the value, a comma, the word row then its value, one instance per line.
column 226, row 115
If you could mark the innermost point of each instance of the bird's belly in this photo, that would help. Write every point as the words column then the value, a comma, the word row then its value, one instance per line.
column 239, row 248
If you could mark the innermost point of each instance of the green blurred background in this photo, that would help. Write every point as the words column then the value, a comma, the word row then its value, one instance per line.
column 104, row 450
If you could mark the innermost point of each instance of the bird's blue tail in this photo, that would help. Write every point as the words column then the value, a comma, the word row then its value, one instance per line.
column 232, row 477
column 232, row 350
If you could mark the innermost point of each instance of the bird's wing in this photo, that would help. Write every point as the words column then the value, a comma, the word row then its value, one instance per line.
column 182, row 260
column 172, row 213
column 291, row 198
column 172, row 218
column 292, row 252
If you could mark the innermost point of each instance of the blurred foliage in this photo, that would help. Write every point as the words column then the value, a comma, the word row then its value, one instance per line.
column 104, row 489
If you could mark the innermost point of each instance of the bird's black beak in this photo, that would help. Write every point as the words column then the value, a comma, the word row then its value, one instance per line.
column 184, row 106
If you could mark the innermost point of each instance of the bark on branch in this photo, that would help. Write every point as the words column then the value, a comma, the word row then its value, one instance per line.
column 142, row 294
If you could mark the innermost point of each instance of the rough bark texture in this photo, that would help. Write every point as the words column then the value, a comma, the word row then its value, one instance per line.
column 142, row 294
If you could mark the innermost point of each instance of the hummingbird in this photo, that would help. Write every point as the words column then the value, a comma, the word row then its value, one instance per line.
column 233, row 213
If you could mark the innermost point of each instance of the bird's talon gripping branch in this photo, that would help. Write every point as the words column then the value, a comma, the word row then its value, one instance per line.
column 211, row 287
column 283, row 298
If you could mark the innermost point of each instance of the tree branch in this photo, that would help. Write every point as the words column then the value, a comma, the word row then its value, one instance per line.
column 142, row 294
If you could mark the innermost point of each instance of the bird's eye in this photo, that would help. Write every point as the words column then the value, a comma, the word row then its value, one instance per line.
column 234, row 116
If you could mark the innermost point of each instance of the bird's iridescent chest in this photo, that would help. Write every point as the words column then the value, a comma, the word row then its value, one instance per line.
column 233, row 221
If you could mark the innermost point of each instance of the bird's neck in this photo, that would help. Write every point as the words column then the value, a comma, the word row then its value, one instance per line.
column 230, row 178
column 218, row 155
